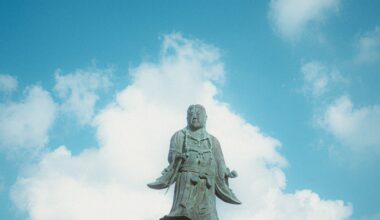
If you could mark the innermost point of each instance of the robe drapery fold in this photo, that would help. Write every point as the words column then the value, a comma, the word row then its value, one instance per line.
column 196, row 165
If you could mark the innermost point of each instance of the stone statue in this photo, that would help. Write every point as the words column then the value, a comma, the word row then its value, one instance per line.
column 197, row 167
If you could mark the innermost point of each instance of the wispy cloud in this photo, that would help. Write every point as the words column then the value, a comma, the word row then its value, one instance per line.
column 291, row 18
column 353, row 127
column 79, row 91
column 369, row 46
column 8, row 83
column 134, row 132
column 25, row 124
column 319, row 78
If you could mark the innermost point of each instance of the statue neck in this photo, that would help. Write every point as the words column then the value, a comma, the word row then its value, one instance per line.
column 199, row 133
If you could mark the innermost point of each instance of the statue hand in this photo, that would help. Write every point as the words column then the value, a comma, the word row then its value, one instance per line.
column 164, row 171
column 180, row 156
column 233, row 174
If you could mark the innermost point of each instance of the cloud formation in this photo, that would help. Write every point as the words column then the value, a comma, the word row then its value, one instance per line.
column 319, row 78
column 133, row 132
column 79, row 91
column 25, row 124
column 355, row 127
column 8, row 83
column 369, row 47
column 290, row 18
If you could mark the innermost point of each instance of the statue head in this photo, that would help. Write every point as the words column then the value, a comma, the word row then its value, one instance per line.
column 196, row 117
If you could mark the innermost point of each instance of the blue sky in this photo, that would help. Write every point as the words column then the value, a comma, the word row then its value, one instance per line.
column 302, row 73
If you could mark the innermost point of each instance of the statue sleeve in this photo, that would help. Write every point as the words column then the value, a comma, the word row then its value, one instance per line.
column 176, row 143
column 218, row 154
column 222, row 189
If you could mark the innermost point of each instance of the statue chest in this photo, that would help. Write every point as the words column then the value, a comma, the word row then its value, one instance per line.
column 199, row 155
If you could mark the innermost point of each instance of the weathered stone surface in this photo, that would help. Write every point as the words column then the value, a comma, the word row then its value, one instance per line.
column 197, row 167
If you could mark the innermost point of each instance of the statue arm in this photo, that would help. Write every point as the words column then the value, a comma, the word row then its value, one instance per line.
column 218, row 154
column 176, row 143
column 169, row 174
column 223, row 173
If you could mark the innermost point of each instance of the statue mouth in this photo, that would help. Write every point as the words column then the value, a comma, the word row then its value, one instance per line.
column 195, row 123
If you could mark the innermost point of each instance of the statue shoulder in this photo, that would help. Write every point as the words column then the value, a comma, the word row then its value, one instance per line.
column 179, row 134
column 214, row 140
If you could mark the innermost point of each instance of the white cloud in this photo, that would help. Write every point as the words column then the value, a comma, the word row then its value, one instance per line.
column 79, row 89
column 25, row 124
column 369, row 47
column 357, row 127
column 8, row 83
column 134, row 132
column 319, row 78
column 291, row 17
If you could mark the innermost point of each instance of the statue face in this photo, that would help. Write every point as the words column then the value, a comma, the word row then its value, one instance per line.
column 196, row 117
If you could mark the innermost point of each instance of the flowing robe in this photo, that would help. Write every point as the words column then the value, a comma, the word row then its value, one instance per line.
column 200, row 176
